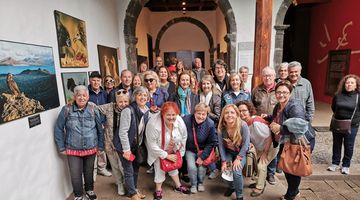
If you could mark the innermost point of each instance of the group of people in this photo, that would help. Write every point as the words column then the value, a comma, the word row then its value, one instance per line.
column 187, row 117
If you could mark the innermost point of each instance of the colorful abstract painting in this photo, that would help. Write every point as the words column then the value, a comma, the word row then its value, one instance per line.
column 27, row 80
column 71, row 36
column 108, row 62
column 70, row 80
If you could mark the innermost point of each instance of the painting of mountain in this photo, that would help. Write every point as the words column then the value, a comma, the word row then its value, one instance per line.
column 27, row 80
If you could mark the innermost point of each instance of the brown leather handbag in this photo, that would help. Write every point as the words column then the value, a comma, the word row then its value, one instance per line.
column 295, row 159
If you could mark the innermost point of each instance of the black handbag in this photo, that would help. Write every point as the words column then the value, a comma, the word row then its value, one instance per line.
column 343, row 125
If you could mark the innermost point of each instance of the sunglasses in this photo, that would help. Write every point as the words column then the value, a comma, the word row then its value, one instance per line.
column 149, row 80
column 109, row 81
column 121, row 91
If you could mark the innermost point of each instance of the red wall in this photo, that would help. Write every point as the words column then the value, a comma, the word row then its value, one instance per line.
column 335, row 15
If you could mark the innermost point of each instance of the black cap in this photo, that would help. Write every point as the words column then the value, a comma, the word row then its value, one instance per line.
column 95, row 74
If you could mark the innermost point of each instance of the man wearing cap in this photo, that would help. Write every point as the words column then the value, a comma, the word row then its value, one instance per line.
column 98, row 96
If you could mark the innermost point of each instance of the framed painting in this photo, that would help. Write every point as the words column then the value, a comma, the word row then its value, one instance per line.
column 108, row 62
column 27, row 80
column 71, row 37
column 70, row 80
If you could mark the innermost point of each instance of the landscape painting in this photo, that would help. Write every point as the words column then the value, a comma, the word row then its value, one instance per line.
column 70, row 80
column 27, row 80
column 71, row 36
column 108, row 61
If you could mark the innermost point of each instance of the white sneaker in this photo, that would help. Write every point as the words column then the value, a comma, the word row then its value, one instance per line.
column 193, row 189
column 345, row 170
column 78, row 198
column 150, row 170
column 121, row 189
column 201, row 187
column 333, row 167
column 104, row 172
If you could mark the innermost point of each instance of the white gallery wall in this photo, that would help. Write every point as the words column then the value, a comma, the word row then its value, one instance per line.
column 30, row 166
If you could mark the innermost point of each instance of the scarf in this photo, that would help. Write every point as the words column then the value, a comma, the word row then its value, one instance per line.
column 185, row 104
column 205, row 99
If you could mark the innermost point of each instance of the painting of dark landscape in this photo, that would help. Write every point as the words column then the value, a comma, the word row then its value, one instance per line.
column 27, row 80
column 70, row 80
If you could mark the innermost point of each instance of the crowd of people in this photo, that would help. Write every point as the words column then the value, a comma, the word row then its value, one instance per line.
column 201, row 122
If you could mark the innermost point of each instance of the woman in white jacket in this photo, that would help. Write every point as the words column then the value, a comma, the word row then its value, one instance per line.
column 175, row 139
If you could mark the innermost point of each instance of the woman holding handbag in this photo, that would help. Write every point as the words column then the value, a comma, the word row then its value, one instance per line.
column 165, row 141
column 260, row 138
column 345, row 105
column 233, row 134
column 293, row 110
column 200, row 143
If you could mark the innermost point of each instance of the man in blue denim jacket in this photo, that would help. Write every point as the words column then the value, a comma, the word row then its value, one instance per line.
column 79, row 135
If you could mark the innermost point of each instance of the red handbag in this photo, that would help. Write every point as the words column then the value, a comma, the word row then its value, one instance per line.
column 211, row 158
column 165, row 164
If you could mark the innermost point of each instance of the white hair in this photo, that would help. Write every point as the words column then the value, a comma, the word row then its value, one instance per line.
column 79, row 88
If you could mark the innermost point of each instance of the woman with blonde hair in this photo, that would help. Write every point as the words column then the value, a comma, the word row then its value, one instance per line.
column 211, row 97
column 235, row 91
column 234, row 140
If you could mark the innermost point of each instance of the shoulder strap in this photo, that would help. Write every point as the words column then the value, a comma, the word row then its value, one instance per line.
column 195, row 140
column 356, row 105
column 162, row 133
column 67, row 110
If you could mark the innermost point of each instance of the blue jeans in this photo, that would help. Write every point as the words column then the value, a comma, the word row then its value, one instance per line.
column 79, row 166
column 271, row 168
column 293, row 186
column 348, row 140
column 196, row 173
column 131, row 170
column 238, row 183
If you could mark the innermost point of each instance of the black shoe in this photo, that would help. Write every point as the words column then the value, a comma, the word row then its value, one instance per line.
column 256, row 194
column 271, row 179
column 158, row 195
column 91, row 195
column 186, row 179
column 241, row 198
column 252, row 185
column 229, row 192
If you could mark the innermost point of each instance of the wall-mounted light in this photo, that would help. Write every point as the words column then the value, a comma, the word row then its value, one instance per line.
column 184, row 12
column 183, row 3
column 184, row 8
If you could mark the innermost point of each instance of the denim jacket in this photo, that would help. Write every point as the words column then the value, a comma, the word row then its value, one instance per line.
column 77, row 129
column 229, row 97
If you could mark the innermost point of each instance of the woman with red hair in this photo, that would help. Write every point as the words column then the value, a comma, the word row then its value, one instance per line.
column 169, row 123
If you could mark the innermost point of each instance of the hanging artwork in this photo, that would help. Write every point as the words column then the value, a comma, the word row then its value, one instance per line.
column 108, row 62
column 27, row 80
column 71, row 36
column 70, row 80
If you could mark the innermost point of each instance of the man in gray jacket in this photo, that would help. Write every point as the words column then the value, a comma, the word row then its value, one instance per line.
column 302, row 89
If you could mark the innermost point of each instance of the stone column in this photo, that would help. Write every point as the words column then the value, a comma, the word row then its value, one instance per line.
column 130, row 45
column 211, row 51
column 279, row 42
column 230, row 39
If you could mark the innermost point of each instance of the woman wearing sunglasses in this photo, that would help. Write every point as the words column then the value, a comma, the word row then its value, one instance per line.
column 158, row 96
column 109, row 83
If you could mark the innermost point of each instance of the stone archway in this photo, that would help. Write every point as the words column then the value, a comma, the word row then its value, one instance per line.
column 133, row 11
column 191, row 20
column 279, row 35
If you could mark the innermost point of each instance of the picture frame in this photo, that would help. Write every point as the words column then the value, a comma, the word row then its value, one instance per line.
column 70, row 80
column 108, row 62
column 72, row 44
column 27, row 80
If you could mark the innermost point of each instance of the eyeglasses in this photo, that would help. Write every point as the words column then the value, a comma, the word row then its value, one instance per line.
column 149, row 80
column 244, row 111
column 281, row 93
column 121, row 91
column 268, row 76
column 219, row 67
column 109, row 81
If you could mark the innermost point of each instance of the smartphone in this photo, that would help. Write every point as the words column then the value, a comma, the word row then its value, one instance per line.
column 132, row 157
